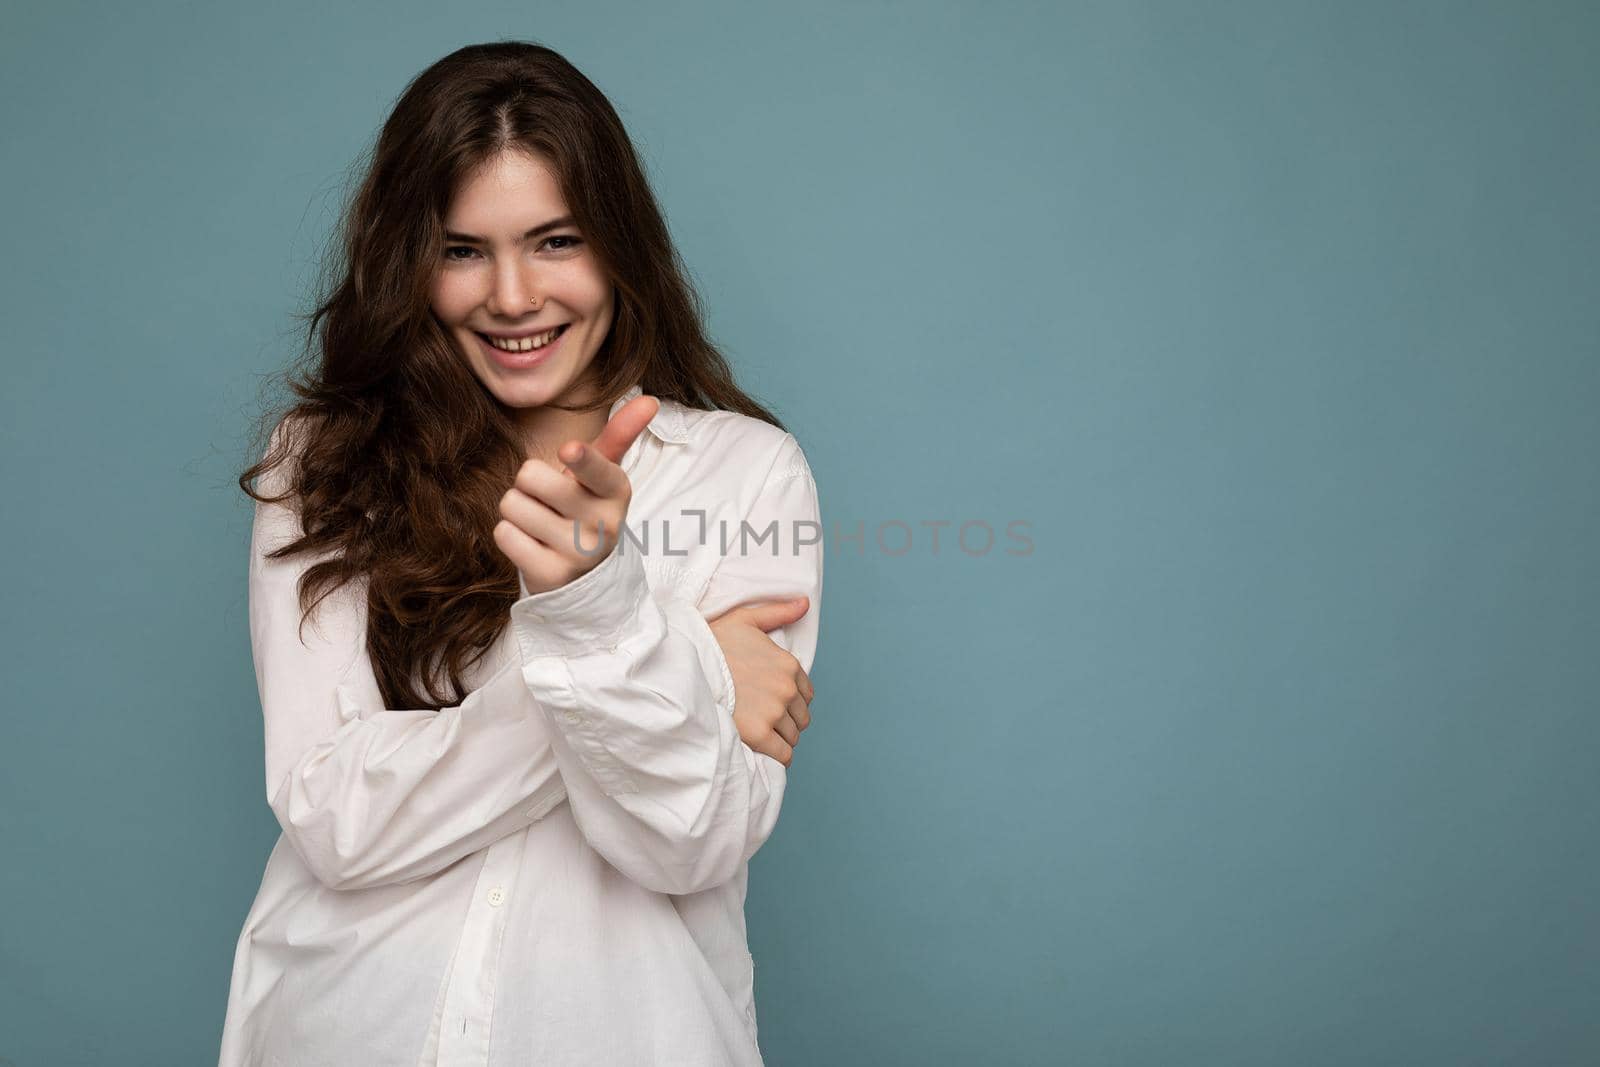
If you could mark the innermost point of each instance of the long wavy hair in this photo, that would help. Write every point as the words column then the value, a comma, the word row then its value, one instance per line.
column 399, row 453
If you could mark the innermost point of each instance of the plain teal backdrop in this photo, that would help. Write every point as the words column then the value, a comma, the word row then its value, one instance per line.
column 1278, row 324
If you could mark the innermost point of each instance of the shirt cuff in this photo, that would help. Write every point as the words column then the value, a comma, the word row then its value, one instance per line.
column 588, row 614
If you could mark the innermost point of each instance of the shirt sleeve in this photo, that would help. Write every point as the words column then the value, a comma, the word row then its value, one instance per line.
column 639, row 694
column 369, row 795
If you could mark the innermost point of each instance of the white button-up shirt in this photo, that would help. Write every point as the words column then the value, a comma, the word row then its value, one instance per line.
column 552, row 872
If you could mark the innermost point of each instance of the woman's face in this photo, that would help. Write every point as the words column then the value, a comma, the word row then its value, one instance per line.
column 508, row 272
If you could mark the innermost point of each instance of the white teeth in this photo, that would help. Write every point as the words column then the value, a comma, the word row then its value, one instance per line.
column 525, row 344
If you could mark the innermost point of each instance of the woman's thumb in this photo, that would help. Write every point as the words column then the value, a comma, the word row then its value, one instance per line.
column 779, row 612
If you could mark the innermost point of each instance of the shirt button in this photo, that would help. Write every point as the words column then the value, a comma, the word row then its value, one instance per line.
column 573, row 715
column 497, row 897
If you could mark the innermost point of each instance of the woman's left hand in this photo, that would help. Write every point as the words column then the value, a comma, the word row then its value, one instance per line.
column 772, row 692
column 548, row 513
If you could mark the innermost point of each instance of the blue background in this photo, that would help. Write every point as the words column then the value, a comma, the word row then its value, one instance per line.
column 1276, row 322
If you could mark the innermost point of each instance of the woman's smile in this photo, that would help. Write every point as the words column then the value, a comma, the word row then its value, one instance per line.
column 530, row 351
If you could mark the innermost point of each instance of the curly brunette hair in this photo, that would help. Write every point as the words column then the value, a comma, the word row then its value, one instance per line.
column 400, row 454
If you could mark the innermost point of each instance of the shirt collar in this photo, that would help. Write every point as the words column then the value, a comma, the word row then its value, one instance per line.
column 668, row 425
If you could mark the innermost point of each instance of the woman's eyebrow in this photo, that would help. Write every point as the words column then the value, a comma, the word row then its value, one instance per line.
column 543, row 227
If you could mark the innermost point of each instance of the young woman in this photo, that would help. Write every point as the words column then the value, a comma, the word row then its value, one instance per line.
column 534, row 592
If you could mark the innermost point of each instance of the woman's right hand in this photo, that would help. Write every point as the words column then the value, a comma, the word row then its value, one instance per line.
column 772, row 693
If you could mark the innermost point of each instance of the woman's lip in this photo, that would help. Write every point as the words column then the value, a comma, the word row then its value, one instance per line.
column 521, row 360
column 520, row 336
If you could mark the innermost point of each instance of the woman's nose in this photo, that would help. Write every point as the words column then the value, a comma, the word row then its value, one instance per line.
column 514, row 291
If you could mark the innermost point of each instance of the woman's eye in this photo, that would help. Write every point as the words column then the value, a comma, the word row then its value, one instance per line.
column 450, row 252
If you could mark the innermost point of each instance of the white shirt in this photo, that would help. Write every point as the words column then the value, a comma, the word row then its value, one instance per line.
column 552, row 872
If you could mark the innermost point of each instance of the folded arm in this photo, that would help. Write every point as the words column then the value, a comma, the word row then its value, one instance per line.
column 641, row 702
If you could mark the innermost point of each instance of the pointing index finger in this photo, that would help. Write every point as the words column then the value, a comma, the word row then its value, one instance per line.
column 626, row 425
column 596, row 466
